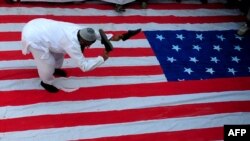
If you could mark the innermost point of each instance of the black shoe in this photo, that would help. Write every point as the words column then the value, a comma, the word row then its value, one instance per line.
column 232, row 4
column 130, row 34
column 49, row 88
column 105, row 41
column 204, row 1
column 60, row 72
column 9, row 1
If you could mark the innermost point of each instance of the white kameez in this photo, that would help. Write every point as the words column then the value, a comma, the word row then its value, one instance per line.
column 44, row 38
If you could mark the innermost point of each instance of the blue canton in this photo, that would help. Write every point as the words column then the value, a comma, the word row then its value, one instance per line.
column 197, row 55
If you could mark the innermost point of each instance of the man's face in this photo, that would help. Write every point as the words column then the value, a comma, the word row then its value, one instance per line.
column 84, row 43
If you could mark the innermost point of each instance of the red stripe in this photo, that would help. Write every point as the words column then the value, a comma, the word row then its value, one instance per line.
column 92, row 52
column 93, row 118
column 16, row 36
column 108, row 6
column 106, row 71
column 10, row 36
column 205, row 134
column 121, row 19
column 14, row 55
column 121, row 91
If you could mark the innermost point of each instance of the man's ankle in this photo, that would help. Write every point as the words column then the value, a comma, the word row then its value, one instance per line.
column 49, row 88
column 60, row 72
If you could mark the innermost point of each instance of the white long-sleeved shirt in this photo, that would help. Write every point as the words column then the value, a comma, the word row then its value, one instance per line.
column 59, row 37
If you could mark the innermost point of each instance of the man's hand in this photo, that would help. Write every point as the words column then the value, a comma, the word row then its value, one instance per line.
column 105, row 55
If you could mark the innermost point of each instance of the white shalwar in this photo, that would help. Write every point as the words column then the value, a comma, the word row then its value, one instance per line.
column 49, row 40
column 121, row 2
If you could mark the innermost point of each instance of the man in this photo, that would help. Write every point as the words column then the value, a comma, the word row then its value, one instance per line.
column 49, row 40
column 246, row 26
column 119, row 4
column 244, row 6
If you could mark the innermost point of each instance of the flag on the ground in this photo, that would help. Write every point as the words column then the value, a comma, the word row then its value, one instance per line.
column 130, row 97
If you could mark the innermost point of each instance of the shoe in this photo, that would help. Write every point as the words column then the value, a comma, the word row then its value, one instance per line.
column 232, row 4
column 60, row 72
column 130, row 34
column 204, row 1
column 243, row 30
column 105, row 41
column 49, row 88
column 9, row 1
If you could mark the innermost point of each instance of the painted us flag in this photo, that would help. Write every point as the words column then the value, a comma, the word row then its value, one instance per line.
column 138, row 93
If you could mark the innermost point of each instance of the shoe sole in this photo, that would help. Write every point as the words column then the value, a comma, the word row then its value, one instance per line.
column 104, row 37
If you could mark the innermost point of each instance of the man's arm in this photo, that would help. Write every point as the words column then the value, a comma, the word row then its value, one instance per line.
column 86, row 64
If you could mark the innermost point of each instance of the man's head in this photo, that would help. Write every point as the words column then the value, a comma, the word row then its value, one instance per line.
column 86, row 37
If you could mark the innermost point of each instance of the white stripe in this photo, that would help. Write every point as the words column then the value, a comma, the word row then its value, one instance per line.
column 10, row 46
column 70, row 63
column 77, row 82
column 130, row 128
column 129, row 12
column 145, row 26
column 63, row 107
column 132, row 43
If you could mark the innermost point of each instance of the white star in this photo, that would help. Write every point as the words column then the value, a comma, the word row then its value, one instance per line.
column 171, row 59
column 193, row 59
column 217, row 47
column 197, row 47
column 160, row 37
column 176, row 47
column 210, row 70
column 238, row 37
column 235, row 59
column 199, row 36
column 248, row 69
column 180, row 36
column 220, row 37
column 180, row 79
column 237, row 48
column 232, row 70
column 188, row 70
column 214, row 59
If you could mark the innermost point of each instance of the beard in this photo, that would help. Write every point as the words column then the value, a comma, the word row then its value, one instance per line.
column 82, row 48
